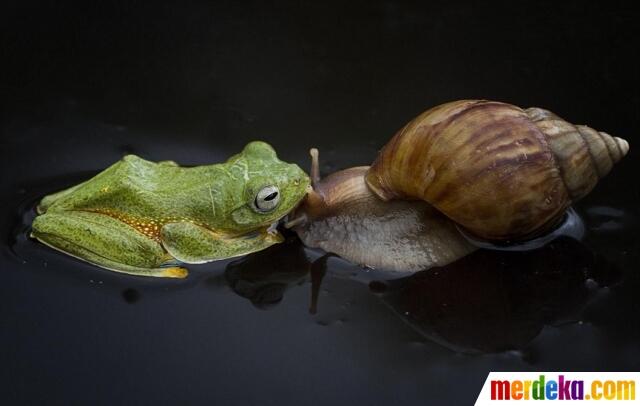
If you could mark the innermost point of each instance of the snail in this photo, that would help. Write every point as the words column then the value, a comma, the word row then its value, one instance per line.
column 342, row 215
column 492, row 170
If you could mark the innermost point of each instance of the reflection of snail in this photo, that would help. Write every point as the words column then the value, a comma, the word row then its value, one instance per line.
column 492, row 301
column 499, row 172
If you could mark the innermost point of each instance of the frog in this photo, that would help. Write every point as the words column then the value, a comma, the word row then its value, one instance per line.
column 149, row 218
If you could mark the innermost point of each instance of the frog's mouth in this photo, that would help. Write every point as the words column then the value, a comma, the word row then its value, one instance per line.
column 268, row 232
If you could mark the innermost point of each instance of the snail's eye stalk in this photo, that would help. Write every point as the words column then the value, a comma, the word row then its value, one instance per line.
column 315, row 167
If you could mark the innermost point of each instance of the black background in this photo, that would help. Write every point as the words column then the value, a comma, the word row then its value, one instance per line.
column 82, row 83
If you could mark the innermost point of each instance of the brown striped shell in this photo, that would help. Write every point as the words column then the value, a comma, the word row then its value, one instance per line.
column 498, row 170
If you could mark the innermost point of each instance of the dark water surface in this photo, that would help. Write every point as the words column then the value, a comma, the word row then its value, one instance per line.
column 82, row 84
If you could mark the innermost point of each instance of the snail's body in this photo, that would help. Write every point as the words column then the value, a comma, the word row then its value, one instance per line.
column 399, row 235
column 499, row 172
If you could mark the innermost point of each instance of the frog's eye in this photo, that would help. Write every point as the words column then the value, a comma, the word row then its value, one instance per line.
column 267, row 199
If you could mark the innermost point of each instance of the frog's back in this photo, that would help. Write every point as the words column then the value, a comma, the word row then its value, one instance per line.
column 132, row 186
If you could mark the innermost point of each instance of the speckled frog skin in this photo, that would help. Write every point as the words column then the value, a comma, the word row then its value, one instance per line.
column 145, row 218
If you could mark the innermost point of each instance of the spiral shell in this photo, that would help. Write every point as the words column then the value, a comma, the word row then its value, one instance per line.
column 499, row 171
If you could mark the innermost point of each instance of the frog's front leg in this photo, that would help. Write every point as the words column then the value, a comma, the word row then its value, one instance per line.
column 106, row 242
column 194, row 244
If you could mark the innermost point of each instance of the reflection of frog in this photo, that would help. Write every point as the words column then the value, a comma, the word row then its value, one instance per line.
column 142, row 218
column 263, row 277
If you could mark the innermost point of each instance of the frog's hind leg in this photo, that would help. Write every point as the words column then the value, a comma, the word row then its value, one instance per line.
column 48, row 200
column 52, row 198
column 106, row 242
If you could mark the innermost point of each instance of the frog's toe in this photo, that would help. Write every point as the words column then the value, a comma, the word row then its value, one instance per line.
column 175, row 272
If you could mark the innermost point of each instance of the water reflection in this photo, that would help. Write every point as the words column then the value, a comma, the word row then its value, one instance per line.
column 264, row 276
column 494, row 301
column 605, row 219
column 489, row 301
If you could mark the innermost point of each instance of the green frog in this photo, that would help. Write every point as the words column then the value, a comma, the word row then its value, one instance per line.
column 145, row 218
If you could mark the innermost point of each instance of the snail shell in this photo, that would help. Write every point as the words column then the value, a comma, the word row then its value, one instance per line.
column 499, row 171
column 342, row 216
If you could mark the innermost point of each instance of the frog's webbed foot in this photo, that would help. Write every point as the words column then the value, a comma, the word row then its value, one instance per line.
column 193, row 244
column 106, row 242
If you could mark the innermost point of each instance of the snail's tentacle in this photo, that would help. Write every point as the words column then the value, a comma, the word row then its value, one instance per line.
column 315, row 167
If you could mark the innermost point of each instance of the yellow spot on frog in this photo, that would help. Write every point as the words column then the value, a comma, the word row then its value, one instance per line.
column 149, row 227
